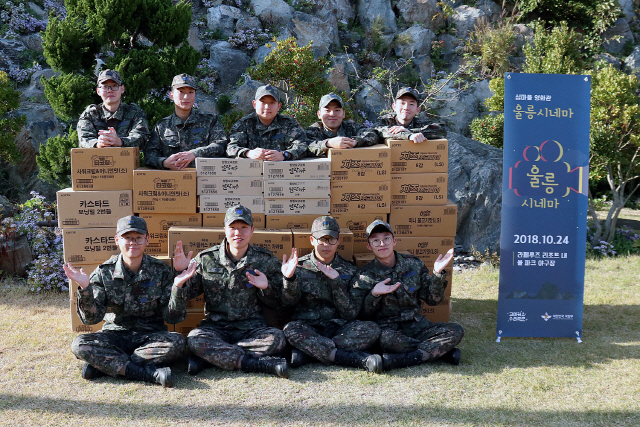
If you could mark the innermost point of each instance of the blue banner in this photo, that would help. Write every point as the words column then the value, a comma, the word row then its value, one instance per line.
column 544, row 205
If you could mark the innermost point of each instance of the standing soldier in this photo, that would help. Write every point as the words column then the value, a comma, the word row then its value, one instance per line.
column 332, row 131
column 113, row 123
column 186, row 134
column 324, row 326
column 267, row 134
column 390, row 289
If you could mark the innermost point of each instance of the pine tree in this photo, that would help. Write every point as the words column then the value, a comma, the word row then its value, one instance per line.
column 9, row 126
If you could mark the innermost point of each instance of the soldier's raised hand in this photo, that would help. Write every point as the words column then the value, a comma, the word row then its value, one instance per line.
column 78, row 276
column 442, row 261
column 289, row 266
column 183, row 277
column 258, row 279
column 180, row 261
column 327, row 270
column 383, row 288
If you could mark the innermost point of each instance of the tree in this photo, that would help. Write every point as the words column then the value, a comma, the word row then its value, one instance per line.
column 9, row 125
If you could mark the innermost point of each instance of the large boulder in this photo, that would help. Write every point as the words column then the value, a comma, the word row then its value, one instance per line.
column 491, row 10
column 424, row 67
column 10, row 50
column 475, row 185
column 323, row 33
column 426, row 12
column 229, row 62
column 248, row 23
column 261, row 53
column 35, row 91
column 41, row 124
column 619, row 29
column 194, row 39
column 628, row 8
column 243, row 96
column 632, row 62
column 461, row 108
column 371, row 99
column 342, row 66
column 416, row 40
column 223, row 18
column 272, row 12
column 341, row 9
column 466, row 18
column 370, row 10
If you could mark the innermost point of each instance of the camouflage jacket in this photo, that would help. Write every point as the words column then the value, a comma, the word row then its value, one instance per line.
column 132, row 127
column 284, row 134
column 228, row 296
column 202, row 134
column 322, row 298
column 138, row 304
column 419, row 124
column 403, row 304
column 318, row 135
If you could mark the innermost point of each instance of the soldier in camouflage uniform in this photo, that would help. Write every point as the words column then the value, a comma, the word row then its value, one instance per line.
column 112, row 123
column 404, row 122
column 186, row 134
column 267, row 134
column 131, row 292
column 332, row 131
column 323, row 325
column 390, row 288
column 236, row 279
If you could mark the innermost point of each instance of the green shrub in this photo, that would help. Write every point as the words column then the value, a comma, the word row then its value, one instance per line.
column 229, row 119
column 224, row 104
column 489, row 129
column 54, row 159
column 558, row 51
column 493, row 43
column 9, row 125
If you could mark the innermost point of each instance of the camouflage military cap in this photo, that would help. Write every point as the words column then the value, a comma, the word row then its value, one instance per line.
column 131, row 223
column 183, row 80
column 330, row 97
column 408, row 91
column 238, row 213
column 325, row 226
column 378, row 226
column 267, row 90
column 109, row 75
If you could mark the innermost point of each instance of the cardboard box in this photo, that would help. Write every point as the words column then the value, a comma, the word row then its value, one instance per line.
column 424, row 221
column 428, row 156
column 196, row 304
column 279, row 242
column 164, row 258
column 365, row 164
column 208, row 203
column 217, row 220
column 89, row 245
column 302, row 242
column 103, row 168
column 300, row 206
column 358, row 224
column 228, row 167
column 365, row 197
column 425, row 248
column 76, row 323
column 291, row 188
column 85, row 209
column 311, row 168
column 159, row 224
column 194, row 239
column 290, row 221
column 229, row 186
column 362, row 259
column 419, row 189
column 164, row 191
column 437, row 313
column 73, row 285
column 191, row 322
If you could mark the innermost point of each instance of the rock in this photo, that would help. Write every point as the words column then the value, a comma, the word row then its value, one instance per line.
column 323, row 33
column 341, row 9
column 463, row 108
column 451, row 46
column 632, row 62
column 426, row 12
column 272, row 12
column 338, row 73
column 475, row 185
column 609, row 59
column 243, row 96
column 524, row 35
column 16, row 256
column 370, row 10
column 424, row 67
column 414, row 41
column 207, row 103
column 229, row 62
column 491, row 10
column 248, row 23
column 194, row 39
column 40, row 12
column 35, row 91
column 32, row 41
column 466, row 18
column 628, row 9
column 9, row 53
column 261, row 53
column 41, row 123
column 371, row 99
column 223, row 18
column 620, row 28
column 517, row 63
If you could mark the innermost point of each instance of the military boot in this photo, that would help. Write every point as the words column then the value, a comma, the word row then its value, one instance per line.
column 266, row 365
column 298, row 358
column 452, row 356
column 150, row 374
column 89, row 372
column 359, row 359
column 197, row 364
column 401, row 360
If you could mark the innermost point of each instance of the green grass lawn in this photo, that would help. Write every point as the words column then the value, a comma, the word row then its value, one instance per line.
column 518, row 382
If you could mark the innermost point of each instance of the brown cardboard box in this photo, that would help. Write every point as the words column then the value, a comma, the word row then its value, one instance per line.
column 303, row 244
column 89, row 245
column 217, row 220
column 418, row 189
column 158, row 226
column 363, row 259
column 423, row 221
column 311, row 168
column 365, row 164
column 164, row 258
column 428, row 156
column 85, row 209
column 103, row 168
column 290, row 221
column 425, row 248
column 194, row 317
column 196, row 303
column 73, row 285
column 219, row 204
column 164, row 191
column 228, row 167
column 356, row 197
column 358, row 223
column 194, row 239
column 76, row 323
column 437, row 313
column 229, row 186
column 279, row 242
column 293, row 189
column 301, row 206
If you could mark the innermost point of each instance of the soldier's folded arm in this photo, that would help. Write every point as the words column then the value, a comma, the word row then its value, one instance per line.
column 91, row 300
column 238, row 141
column 139, row 131
column 298, row 143
column 87, row 132
column 217, row 142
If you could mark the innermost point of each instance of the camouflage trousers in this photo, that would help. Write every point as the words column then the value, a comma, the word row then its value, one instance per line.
column 110, row 351
column 318, row 341
column 435, row 339
column 222, row 347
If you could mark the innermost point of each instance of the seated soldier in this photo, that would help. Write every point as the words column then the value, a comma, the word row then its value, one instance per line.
column 113, row 123
column 323, row 325
column 131, row 292
column 332, row 131
column 390, row 289
column 404, row 122
column 186, row 134
column 267, row 134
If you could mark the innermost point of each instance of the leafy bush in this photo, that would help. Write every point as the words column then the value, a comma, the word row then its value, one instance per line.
column 54, row 159
column 489, row 129
column 559, row 51
column 493, row 43
column 9, row 125
column 229, row 119
column 625, row 242
column 224, row 104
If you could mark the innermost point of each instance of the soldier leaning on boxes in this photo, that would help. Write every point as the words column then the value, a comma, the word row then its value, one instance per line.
column 177, row 140
column 112, row 123
column 404, row 123
column 332, row 131
column 407, row 337
column 324, row 326
column 236, row 277
column 267, row 134
column 131, row 292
